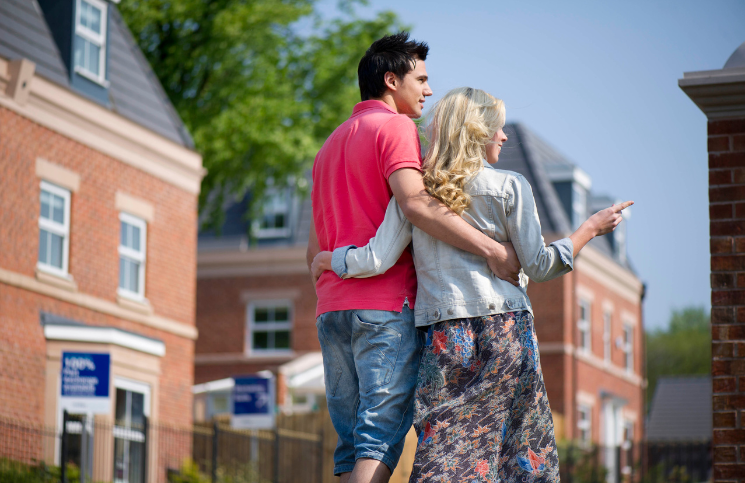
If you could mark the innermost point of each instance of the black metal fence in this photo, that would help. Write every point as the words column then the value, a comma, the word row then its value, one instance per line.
column 98, row 450
column 642, row 462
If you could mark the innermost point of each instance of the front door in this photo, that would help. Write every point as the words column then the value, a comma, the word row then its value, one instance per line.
column 612, row 437
column 132, row 403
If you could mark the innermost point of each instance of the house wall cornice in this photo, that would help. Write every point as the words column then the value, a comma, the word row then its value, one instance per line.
column 97, row 304
column 252, row 262
column 550, row 348
column 606, row 271
column 62, row 110
column 720, row 94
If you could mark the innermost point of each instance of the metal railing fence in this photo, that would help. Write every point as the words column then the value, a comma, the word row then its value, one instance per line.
column 99, row 450
column 300, row 450
column 636, row 462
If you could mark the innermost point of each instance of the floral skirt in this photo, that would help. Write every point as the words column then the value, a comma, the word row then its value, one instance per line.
column 482, row 414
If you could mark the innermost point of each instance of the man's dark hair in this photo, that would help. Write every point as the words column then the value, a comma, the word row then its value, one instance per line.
column 392, row 53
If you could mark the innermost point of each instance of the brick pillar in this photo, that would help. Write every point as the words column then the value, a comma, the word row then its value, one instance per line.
column 721, row 96
column 727, row 231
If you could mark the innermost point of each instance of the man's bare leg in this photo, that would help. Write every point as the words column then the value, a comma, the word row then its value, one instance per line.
column 368, row 470
column 345, row 477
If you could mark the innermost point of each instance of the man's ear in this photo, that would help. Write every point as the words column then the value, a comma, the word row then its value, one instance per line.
column 391, row 81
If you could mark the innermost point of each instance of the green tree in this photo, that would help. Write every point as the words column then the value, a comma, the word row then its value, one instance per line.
column 683, row 348
column 260, row 84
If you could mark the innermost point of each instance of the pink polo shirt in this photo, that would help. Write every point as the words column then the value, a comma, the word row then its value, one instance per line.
column 350, row 196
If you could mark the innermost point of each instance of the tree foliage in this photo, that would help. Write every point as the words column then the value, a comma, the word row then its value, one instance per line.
column 684, row 348
column 260, row 84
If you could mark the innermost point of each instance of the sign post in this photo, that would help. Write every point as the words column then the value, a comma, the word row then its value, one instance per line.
column 85, row 381
column 84, row 389
column 253, row 401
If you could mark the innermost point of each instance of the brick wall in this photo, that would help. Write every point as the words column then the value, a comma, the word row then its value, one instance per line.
column 221, row 320
column 726, row 145
column 94, row 262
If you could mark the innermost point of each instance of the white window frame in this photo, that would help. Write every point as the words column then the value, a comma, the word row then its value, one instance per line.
column 584, row 326
column 584, row 425
column 274, row 232
column 607, row 328
column 579, row 204
column 126, row 432
column 98, row 39
column 140, row 257
column 269, row 326
column 628, row 347
column 62, row 230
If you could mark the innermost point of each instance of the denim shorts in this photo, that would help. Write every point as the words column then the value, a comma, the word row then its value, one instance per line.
column 370, row 362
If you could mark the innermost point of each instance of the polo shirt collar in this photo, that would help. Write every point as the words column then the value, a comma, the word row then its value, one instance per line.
column 372, row 104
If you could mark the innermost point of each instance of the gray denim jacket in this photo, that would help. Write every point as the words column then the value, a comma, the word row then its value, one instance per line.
column 453, row 283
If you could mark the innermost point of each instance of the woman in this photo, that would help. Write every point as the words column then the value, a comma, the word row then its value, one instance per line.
column 482, row 412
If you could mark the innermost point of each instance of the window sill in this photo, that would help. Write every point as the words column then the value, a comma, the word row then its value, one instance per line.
column 60, row 281
column 140, row 306
column 270, row 355
column 92, row 77
column 273, row 233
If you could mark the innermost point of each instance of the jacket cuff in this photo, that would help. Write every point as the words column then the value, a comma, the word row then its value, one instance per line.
column 339, row 260
column 565, row 247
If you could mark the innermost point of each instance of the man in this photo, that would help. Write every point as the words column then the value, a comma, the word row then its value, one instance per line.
column 366, row 326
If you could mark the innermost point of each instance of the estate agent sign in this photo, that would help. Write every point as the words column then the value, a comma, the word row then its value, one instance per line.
column 253, row 402
column 85, row 383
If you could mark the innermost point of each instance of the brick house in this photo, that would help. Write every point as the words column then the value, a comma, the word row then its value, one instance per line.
column 100, row 182
column 720, row 94
column 256, row 305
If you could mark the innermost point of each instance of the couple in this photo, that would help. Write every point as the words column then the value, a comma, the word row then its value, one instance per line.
column 437, row 279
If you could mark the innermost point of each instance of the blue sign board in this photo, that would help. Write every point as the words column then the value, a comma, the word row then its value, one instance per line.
column 253, row 402
column 85, row 382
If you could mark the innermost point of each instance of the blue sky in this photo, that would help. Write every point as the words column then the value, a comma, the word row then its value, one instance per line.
column 598, row 81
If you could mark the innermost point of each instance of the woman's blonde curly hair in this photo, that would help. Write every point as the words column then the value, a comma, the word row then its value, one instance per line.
column 460, row 126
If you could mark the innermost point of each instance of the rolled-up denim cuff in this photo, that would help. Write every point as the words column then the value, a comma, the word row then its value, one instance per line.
column 339, row 260
column 566, row 251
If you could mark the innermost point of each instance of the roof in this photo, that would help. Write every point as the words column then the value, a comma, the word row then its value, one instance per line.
column 134, row 91
column 681, row 410
column 527, row 154
column 524, row 152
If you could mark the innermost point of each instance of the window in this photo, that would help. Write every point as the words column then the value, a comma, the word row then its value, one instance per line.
column 628, row 347
column 628, row 430
column 579, row 205
column 132, row 406
column 584, row 424
column 54, row 229
column 132, row 243
column 275, row 217
column 269, row 326
column 90, row 39
column 619, row 241
column 607, row 318
column 584, row 324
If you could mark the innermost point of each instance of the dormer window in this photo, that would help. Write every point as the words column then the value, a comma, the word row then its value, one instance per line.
column 275, row 215
column 579, row 205
column 90, row 40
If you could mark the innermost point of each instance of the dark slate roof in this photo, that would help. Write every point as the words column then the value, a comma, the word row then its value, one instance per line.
column 235, row 229
column 681, row 410
column 134, row 91
column 524, row 152
column 24, row 34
